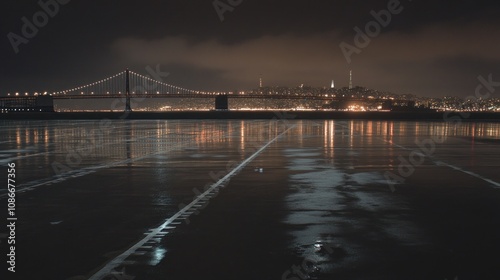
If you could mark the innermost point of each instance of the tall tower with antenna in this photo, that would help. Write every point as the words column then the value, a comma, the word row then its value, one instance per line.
column 333, row 84
column 350, row 79
column 260, row 81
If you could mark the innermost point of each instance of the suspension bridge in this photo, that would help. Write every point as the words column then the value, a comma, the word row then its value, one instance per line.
column 128, row 84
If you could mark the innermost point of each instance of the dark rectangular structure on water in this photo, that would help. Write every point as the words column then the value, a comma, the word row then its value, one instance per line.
column 43, row 103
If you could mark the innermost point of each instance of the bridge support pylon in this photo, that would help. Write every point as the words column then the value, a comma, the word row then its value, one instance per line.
column 221, row 102
column 127, row 91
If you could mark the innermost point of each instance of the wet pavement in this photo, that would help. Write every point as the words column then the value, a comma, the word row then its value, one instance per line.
column 254, row 199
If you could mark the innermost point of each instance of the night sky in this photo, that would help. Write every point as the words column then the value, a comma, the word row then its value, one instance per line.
column 429, row 48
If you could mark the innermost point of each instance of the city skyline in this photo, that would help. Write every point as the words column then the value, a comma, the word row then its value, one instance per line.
column 418, row 47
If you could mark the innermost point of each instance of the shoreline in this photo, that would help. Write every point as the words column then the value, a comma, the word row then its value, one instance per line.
column 232, row 115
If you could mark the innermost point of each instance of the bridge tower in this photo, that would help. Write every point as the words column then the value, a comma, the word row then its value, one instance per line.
column 221, row 102
column 127, row 91
column 350, row 79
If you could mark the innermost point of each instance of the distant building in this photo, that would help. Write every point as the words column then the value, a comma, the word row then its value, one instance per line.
column 350, row 79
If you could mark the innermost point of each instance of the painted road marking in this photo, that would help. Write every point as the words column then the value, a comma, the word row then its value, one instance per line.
column 29, row 186
column 116, row 262
column 436, row 162
column 442, row 163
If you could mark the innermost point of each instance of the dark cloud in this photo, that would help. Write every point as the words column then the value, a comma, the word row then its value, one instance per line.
column 430, row 48
column 422, row 62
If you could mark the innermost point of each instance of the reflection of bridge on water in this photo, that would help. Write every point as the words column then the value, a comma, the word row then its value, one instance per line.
column 127, row 85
